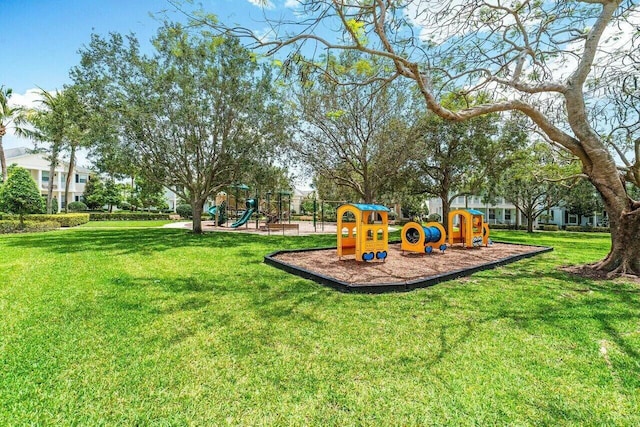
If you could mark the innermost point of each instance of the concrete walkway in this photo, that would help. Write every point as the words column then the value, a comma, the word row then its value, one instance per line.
column 305, row 228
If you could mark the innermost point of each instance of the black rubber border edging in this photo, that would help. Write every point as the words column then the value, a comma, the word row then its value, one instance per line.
column 397, row 286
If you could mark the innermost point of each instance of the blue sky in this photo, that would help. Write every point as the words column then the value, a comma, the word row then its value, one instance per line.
column 40, row 39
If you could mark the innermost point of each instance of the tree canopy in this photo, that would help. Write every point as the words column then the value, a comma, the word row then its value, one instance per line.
column 357, row 135
column 20, row 194
column 10, row 116
column 565, row 65
column 193, row 114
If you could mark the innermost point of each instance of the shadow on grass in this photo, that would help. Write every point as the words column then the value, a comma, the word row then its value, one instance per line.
column 144, row 241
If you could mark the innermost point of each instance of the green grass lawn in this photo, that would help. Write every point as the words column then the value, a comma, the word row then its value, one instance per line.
column 161, row 327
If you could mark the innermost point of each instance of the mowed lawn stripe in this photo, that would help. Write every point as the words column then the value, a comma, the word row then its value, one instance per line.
column 159, row 326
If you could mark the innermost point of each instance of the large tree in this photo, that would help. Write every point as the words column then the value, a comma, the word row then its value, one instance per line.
column 51, row 122
column 10, row 116
column 354, row 135
column 527, row 183
column 552, row 61
column 192, row 114
column 581, row 199
column 77, row 135
column 452, row 159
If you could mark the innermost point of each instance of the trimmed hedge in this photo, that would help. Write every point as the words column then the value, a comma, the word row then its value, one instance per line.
column 63, row 220
column 13, row 226
column 506, row 227
column 127, row 216
column 587, row 229
column 548, row 227
column 77, row 207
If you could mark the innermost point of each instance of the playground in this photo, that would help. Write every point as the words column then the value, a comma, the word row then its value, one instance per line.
column 401, row 270
column 364, row 261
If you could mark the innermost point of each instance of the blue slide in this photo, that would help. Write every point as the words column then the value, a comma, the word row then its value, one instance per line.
column 243, row 220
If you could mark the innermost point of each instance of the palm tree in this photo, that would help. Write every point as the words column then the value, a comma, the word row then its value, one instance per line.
column 76, row 132
column 50, row 123
column 10, row 116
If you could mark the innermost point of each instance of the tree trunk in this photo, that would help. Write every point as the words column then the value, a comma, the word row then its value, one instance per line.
column 624, row 256
column 529, row 214
column 3, row 160
column 529, row 225
column 368, row 194
column 52, row 173
column 446, row 208
column 197, row 206
column 72, row 161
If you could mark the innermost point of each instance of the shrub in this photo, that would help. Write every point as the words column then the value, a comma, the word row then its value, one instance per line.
column 587, row 229
column 77, row 207
column 127, row 216
column 64, row 220
column 434, row 217
column 184, row 210
column 506, row 227
column 13, row 226
column 54, row 205
column 548, row 227
column 20, row 194
column 125, row 206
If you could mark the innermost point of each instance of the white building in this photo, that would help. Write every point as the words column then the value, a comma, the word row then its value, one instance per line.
column 298, row 197
column 503, row 212
column 38, row 166
column 500, row 213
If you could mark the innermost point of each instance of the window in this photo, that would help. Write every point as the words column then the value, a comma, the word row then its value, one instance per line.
column 81, row 178
column 573, row 219
column 77, row 198
column 507, row 214
column 45, row 176
column 492, row 214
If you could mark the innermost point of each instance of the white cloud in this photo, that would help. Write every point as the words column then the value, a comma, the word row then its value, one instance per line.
column 291, row 4
column 29, row 99
column 267, row 4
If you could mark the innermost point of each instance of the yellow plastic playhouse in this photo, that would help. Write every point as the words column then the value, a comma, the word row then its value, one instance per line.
column 363, row 231
column 471, row 230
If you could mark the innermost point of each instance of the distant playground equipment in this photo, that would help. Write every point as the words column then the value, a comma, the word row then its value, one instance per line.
column 423, row 239
column 363, row 231
column 218, row 212
column 472, row 231
column 250, row 205
column 279, row 218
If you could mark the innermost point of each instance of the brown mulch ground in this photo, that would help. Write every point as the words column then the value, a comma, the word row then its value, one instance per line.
column 399, row 267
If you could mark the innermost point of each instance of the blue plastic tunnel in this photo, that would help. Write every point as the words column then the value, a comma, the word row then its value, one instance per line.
column 431, row 234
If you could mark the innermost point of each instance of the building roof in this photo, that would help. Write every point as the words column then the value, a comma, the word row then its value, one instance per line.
column 16, row 152
column 11, row 153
